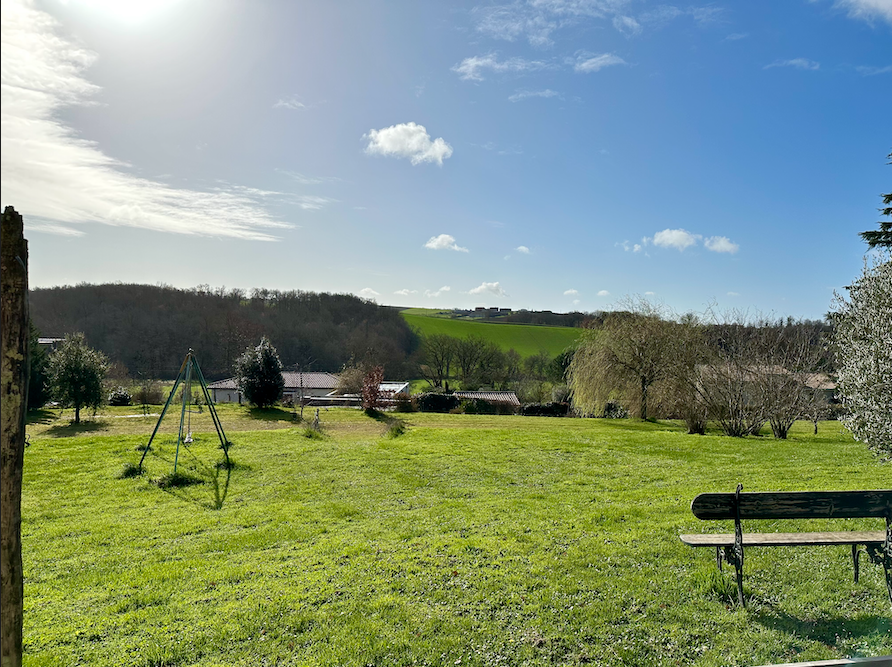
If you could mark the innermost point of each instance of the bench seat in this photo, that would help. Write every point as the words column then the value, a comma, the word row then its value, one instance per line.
column 861, row 537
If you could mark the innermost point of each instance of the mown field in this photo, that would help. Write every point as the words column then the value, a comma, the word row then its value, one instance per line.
column 468, row 540
column 526, row 339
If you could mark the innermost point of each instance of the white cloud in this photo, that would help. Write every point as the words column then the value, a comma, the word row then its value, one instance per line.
column 798, row 63
column 406, row 292
column 51, row 173
column 368, row 293
column 864, row 70
column 443, row 242
column 491, row 288
column 523, row 249
column 603, row 292
column 313, row 203
column 626, row 25
column 471, row 69
column 733, row 293
column 650, row 294
column 50, row 228
column 721, row 244
column 674, row 238
column 735, row 36
column 867, row 10
column 571, row 292
column 575, row 302
column 440, row 291
column 408, row 140
column 527, row 94
column 292, row 103
column 586, row 63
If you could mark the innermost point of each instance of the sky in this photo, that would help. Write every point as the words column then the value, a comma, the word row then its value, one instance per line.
column 539, row 154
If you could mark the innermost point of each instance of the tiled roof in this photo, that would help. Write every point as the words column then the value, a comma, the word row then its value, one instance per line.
column 292, row 381
column 508, row 397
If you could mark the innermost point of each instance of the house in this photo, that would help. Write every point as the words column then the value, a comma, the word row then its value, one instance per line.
column 502, row 397
column 307, row 385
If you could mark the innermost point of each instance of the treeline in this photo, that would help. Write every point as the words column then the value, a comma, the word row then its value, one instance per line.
column 148, row 329
column 735, row 372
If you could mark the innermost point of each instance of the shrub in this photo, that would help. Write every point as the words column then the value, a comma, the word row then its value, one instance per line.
column 397, row 428
column 405, row 403
column 432, row 402
column 119, row 396
column 552, row 409
column 479, row 406
column 149, row 393
column 614, row 410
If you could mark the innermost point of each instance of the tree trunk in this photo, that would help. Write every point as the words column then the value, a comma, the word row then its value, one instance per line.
column 14, row 371
column 643, row 399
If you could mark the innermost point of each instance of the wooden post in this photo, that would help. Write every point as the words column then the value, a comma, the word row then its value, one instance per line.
column 14, row 380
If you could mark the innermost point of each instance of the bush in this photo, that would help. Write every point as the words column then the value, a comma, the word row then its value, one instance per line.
column 405, row 403
column 552, row 409
column 614, row 410
column 432, row 402
column 119, row 396
column 149, row 393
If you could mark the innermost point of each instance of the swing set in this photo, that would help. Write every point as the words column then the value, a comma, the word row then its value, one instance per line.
column 185, row 377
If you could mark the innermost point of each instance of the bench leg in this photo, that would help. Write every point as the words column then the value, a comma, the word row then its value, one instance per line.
column 718, row 557
column 855, row 555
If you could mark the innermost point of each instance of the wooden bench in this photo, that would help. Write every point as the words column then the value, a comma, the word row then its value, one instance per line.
column 795, row 505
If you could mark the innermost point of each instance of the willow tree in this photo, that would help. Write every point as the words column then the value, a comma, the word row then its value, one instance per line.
column 623, row 359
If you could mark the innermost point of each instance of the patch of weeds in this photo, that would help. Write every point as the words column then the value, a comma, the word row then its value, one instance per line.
column 717, row 585
column 141, row 447
column 177, row 480
column 312, row 434
column 397, row 428
column 130, row 470
column 375, row 414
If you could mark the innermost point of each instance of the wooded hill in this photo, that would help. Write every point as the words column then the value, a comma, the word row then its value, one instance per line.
column 150, row 328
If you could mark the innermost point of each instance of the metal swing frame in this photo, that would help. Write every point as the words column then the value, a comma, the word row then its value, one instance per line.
column 184, row 377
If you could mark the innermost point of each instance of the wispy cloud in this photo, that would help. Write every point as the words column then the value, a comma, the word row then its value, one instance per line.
column 571, row 292
column 444, row 242
column 51, row 228
column 735, row 36
column 867, row 10
column 303, row 179
column 603, row 292
column 406, row 292
column 865, row 70
column 523, row 250
column 587, row 62
column 797, row 63
column 408, row 140
column 626, row 25
column 312, row 202
column 440, row 291
column 51, row 173
column 368, row 293
column 292, row 103
column 488, row 288
column 527, row 94
column 472, row 69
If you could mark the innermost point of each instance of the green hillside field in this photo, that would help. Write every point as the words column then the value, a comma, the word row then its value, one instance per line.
column 526, row 339
column 468, row 541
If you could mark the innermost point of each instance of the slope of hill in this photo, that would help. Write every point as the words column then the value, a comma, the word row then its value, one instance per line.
column 526, row 339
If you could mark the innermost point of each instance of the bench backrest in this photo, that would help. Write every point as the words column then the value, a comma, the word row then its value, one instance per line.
column 795, row 505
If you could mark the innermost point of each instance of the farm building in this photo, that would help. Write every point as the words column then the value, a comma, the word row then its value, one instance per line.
column 296, row 384
column 504, row 397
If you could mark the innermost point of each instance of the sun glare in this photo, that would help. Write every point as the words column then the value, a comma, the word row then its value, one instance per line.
column 128, row 11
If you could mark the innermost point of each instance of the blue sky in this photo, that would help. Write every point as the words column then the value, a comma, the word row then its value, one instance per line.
column 550, row 154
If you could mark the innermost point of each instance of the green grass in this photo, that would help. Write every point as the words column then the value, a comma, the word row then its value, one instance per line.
column 467, row 540
column 526, row 339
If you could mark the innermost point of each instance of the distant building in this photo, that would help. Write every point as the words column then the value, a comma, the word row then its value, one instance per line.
column 502, row 397
column 296, row 384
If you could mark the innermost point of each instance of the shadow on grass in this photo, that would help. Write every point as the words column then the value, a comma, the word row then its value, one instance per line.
column 825, row 629
column 70, row 428
column 195, row 473
column 41, row 416
column 271, row 414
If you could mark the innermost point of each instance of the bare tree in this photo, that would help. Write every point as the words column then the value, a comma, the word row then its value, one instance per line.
column 437, row 354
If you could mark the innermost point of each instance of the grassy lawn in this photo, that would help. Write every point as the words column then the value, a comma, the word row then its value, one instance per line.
column 469, row 540
column 526, row 339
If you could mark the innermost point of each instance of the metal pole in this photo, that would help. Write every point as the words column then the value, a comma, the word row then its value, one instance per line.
column 164, row 411
column 186, row 385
